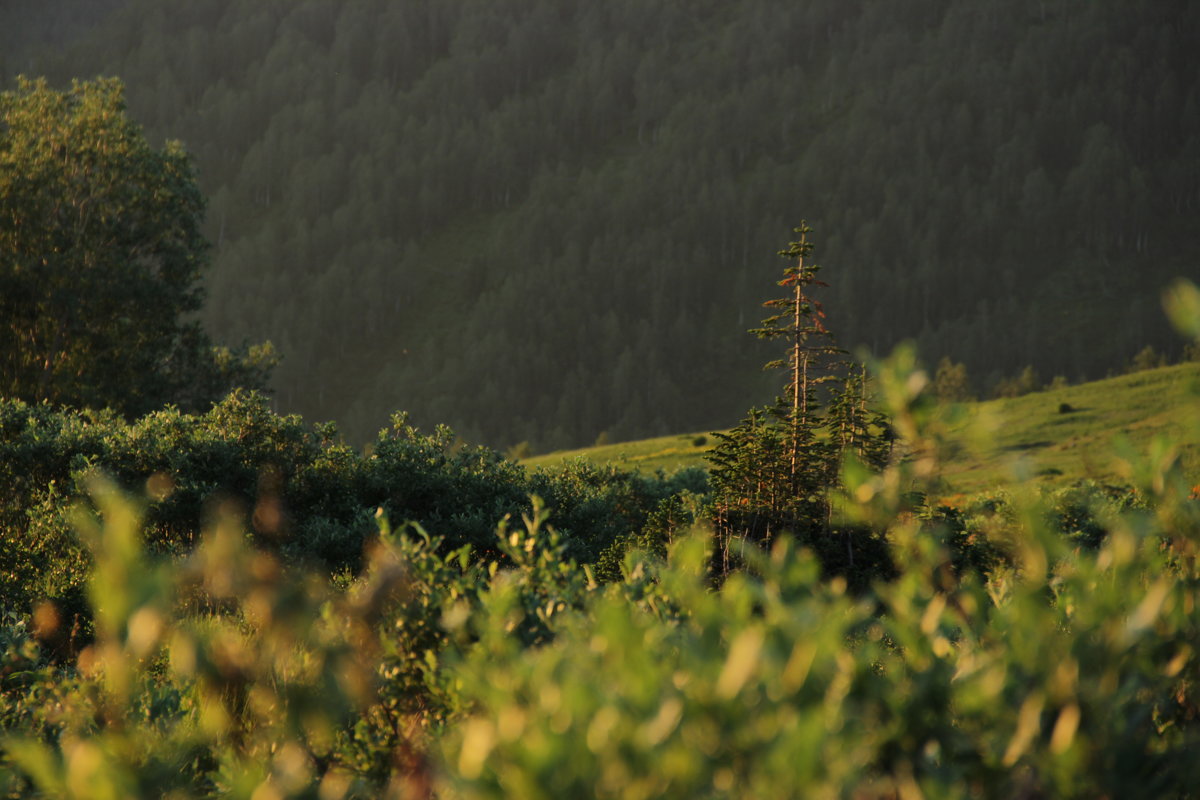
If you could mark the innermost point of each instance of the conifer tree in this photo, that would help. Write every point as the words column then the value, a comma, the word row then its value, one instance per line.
column 799, row 320
column 854, row 428
column 773, row 471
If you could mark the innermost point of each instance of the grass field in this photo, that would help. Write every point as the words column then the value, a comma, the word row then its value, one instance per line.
column 1052, row 436
column 668, row 453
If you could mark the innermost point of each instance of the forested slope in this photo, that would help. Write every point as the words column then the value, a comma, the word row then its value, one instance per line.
column 544, row 219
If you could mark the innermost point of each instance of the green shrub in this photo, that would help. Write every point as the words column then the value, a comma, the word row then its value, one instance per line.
column 304, row 495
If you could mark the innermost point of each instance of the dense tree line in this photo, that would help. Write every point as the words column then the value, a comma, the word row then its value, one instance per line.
column 547, row 220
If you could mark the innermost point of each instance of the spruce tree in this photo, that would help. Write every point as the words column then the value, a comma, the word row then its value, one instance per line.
column 799, row 319
column 773, row 471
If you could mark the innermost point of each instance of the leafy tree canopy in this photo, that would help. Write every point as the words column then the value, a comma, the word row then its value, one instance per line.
column 101, row 255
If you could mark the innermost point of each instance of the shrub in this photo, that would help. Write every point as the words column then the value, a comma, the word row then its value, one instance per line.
column 1146, row 358
column 304, row 495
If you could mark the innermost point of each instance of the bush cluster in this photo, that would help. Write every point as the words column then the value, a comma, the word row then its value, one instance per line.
column 303, row 494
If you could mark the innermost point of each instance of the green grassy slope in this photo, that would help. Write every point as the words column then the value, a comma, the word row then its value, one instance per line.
column 999, row 440
column 664, row 452
column 1029, row 437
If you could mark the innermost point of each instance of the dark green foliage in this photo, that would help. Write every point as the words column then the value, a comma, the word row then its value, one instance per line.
column 674, row 517
column 1024, row 383
column 539, row 220
column 458, row 491
column 983, row 534
column 101, row 256
column 1146, row 358
column 855, row 426
column 594, row 507
column 443, row 589
column 759, row 490
column 302, row 493
column 950, row 382
column 775, row 471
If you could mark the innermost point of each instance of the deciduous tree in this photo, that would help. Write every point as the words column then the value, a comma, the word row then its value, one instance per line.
column 101, row 256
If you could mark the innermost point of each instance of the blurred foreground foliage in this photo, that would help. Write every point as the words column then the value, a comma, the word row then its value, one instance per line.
column 1026, row 644
column 1031, row 645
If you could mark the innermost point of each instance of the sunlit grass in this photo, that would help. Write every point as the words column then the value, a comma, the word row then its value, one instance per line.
column 1034, row 436
column 668, row 453
column 1067, row 434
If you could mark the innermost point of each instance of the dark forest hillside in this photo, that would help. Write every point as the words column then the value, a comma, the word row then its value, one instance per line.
column 544, row 219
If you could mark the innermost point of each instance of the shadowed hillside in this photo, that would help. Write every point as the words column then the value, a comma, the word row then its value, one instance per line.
column 546, row 220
